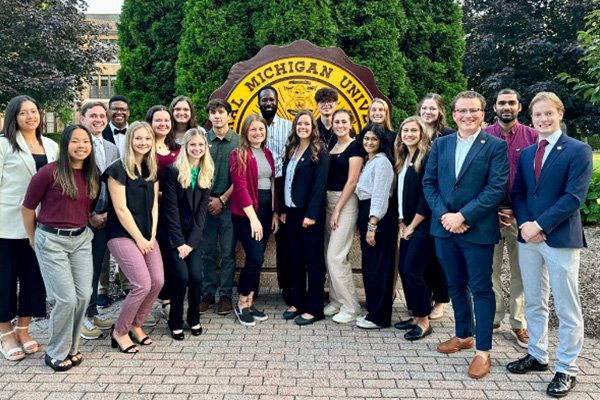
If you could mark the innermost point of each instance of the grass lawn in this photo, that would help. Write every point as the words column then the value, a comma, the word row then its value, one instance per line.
column 597, row 162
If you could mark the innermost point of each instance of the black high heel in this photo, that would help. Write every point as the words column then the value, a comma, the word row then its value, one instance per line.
column 178, row 335
column 114, row 344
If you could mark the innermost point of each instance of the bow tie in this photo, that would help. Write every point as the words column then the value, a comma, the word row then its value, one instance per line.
column 120, row 131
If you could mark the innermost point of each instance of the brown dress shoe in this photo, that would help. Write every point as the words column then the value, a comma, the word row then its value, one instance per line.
column 455, row 344
column 522, row 336
column 480, row 366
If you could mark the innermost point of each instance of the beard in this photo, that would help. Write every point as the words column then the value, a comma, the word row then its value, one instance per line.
column 268, row 113
column 506, row 119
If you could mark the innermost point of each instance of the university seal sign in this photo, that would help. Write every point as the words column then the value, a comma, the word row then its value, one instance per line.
column 297, row 71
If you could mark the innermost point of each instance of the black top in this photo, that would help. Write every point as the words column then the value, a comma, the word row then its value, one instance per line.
column 40, row 160
column 339, row 166
column 413, row 199
column 140, row 200
column 327, row 135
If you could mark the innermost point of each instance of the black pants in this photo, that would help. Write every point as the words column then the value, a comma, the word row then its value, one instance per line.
column 378, row 265
column 284, row 278
column 98, row 252
column 183, row 274
column 254, row 249
column 306, row 259
column 164, row 243
column 437, row 281
column 413, row 261
column 19, row 264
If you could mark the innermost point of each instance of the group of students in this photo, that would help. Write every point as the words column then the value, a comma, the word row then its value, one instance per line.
column 158, row 194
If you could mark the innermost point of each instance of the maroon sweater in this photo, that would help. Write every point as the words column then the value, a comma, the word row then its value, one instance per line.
column 58, row 210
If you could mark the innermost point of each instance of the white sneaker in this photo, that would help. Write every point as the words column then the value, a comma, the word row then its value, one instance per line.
column 364, row 323
column 330, row 309
column 344, row 318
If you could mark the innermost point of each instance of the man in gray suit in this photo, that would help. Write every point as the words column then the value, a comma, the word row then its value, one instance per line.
column 93, row 117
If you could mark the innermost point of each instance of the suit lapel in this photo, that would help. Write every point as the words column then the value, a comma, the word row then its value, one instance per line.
column 480, row 141
column 557, row 149
column 189, row 195
column 26, row 155
column 451, row 156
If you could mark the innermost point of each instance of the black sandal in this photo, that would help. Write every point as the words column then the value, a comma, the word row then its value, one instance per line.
column 145, row 341
column 58, row 365
column 76, row 358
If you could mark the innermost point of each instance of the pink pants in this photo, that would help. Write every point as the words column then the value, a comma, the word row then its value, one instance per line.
column 145, row 273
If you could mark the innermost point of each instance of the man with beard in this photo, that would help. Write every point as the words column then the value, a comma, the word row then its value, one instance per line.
column 327, row 102
column 517, row 137
column 278, row 130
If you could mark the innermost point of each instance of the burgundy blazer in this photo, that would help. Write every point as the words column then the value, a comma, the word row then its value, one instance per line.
column 245, row 183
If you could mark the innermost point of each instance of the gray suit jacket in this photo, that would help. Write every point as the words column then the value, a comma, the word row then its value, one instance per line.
column 112, row 154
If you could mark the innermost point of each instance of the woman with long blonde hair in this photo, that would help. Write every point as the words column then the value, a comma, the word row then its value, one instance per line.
column 131, row 229
column 186, row 191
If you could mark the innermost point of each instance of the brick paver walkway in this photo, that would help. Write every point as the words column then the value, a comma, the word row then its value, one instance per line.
column 278, row 360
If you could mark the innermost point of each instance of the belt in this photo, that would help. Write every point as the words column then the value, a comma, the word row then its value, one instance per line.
column 216, row 194
column 61, row 232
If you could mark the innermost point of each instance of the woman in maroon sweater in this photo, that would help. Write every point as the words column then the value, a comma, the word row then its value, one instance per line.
column 65, row 190
column 252, row 205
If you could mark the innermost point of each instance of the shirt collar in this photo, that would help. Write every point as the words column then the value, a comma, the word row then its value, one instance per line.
column 212, row 136
column 553, row 138
column 113, row 127
column 470, row 139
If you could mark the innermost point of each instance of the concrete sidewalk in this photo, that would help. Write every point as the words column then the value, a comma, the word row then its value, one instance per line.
column 278, row 360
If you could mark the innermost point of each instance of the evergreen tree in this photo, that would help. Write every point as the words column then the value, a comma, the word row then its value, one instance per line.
column 433, row 45
column 214, row 38
column 370, row 33
column 525, row 45
column 149, row 32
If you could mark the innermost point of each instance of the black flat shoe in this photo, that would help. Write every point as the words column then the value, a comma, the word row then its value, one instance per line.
column 58, row 365
column 561, row 385
column 178, row 335
column 300, row 320
column 526, row 364
column 76, row 358
column 406, row 324
column 417, row 333
column 196, row 330
column 287, row 314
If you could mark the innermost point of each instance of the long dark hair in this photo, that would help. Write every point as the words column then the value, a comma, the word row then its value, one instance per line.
column 170, row 138
column 193, row 122
column 441, row 122
column 294, row 141
column 10, row 121
column 384, row 144
column 63, row 173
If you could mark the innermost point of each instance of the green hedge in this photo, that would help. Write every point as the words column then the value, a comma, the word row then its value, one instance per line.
column 593, row 141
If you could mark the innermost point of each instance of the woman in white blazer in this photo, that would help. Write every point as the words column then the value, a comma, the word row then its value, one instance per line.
column 23, row 150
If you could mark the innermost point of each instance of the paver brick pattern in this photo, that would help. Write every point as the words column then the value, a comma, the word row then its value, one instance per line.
column 278, row 360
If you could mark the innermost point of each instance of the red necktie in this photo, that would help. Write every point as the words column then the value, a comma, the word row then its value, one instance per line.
column 539, row 157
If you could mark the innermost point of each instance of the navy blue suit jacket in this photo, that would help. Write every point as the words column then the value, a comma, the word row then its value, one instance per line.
column 477, row 191
column 554, row 201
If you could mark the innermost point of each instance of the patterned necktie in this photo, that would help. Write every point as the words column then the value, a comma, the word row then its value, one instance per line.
column 100, row 155
column 539, row 157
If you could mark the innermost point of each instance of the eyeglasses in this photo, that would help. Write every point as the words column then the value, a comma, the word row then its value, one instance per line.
column 465, row 111
column 119, row 110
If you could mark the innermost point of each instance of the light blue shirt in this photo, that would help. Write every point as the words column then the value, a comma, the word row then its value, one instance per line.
column 552, row 139
column 462, row 149
column 277, row 136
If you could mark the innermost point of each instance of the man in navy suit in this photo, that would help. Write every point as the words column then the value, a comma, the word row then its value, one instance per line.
column 465, row 182
column 550, row 186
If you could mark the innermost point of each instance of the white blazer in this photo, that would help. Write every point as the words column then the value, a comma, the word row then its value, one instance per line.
column 16, row 170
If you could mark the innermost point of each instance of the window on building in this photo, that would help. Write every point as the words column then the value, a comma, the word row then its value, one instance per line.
column 94, row 88
column 104, row 88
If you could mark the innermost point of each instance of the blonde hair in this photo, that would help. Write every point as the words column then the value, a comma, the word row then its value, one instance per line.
column 401, row 151
column 128, row 156
column 244, row 143
column 551, row 98
column 387, row 124
column 184, row 167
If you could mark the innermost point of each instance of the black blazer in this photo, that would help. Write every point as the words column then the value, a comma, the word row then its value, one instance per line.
column 309, row 188
column 413, row 199
column 182, row 211
column 108, row 135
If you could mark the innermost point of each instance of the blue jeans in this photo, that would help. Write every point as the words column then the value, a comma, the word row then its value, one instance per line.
column 218, row 235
